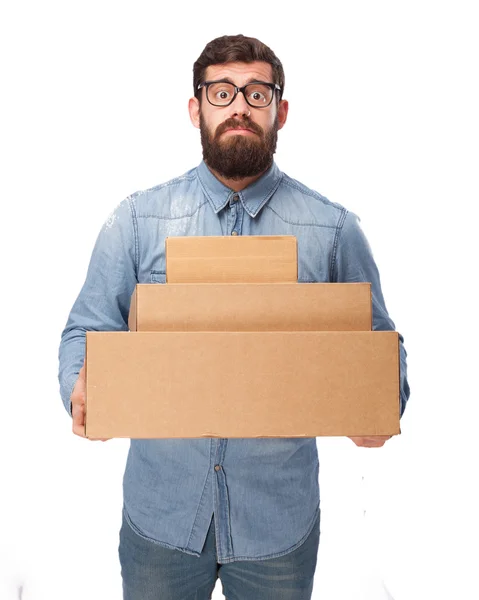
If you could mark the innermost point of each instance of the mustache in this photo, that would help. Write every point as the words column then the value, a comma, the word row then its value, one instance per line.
column 246, row 123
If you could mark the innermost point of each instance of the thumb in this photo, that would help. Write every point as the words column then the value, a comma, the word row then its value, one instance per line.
column 78, row 414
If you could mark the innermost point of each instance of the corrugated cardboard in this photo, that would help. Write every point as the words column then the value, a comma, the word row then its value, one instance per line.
column 241, row 384
column 251, row 307
column 231, row 259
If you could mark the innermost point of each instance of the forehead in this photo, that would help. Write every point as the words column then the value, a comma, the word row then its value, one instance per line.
column 240, row 72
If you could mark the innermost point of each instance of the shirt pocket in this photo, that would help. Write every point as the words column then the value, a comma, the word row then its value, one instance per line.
column 157, row 277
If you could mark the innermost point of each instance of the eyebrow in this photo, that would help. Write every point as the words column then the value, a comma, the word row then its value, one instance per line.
column 229, row 80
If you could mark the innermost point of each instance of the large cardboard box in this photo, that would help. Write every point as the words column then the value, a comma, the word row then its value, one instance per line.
column 251, row 307
column 231, row 259
column 241, row 384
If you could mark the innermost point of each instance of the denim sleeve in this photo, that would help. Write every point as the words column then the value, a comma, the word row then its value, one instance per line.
column 104, row 300
column 354, row 262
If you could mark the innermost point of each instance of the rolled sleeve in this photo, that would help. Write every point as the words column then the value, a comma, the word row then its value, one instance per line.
column 354, row 262
column 104, row 300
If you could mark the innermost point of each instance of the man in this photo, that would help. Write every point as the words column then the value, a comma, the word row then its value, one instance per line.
column 244, row 510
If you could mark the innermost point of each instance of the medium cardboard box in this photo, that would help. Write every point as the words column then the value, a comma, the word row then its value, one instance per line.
column 231, row 259
column 251, row 307
column 242, row 384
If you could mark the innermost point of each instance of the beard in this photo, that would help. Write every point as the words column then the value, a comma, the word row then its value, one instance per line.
column 238, row 156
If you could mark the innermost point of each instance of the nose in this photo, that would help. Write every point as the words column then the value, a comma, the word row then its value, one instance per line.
column 239, row 108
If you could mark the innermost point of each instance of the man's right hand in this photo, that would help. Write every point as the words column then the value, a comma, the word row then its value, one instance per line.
column 78, row 406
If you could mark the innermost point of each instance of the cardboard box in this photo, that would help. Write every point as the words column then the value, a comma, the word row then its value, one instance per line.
column 241, row 384
column 231, row 259
column 251, row 307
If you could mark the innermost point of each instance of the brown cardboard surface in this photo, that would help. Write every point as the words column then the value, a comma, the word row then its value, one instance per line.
column 242, row 384
column 251, row 307
column 231, row 259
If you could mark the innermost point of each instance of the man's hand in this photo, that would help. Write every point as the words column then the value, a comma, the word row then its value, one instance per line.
column 78, row 406
column 371, row 441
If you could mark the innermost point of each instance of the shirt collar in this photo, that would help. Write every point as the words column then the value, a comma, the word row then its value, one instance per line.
column 253, row 197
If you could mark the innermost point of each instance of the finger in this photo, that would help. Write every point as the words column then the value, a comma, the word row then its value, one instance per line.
column 78, row 396
column 78, row 413
column 374, row 443
column 365, row 442
column 78, row 420
column 79, row 430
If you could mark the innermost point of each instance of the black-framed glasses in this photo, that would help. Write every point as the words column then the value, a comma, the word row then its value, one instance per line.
column 258, row 94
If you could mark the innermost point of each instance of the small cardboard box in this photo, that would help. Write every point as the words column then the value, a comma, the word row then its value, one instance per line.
column 231, row 259
column 251, row 307
column 241, row 384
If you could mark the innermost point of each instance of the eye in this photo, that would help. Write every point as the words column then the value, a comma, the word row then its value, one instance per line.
column 259, row 94
column 222, row 95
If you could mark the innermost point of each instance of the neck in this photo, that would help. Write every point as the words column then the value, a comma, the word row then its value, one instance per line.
column 236, row 184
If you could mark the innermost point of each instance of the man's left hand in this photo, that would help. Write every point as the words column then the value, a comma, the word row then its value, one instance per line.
column 371, row 441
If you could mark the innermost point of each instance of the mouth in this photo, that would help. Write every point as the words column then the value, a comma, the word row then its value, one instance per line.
column 240, row 130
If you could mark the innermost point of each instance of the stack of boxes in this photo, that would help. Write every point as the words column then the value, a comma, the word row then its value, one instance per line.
column 233, row 346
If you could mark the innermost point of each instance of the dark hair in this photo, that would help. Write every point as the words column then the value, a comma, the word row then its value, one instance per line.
column 235, row 48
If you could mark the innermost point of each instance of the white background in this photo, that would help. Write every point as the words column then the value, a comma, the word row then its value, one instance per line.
column 383, row 119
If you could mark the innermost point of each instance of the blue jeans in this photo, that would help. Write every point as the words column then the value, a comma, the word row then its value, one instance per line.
column 154, row 572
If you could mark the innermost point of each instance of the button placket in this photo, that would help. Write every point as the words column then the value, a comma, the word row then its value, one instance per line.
column 234, row 214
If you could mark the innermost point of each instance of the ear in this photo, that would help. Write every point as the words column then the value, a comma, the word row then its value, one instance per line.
column 282, row 113
column 194, row 110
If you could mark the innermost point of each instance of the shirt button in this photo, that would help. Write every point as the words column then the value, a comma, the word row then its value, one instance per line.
column 217, row 467
column 234, row 233
column 235, row 198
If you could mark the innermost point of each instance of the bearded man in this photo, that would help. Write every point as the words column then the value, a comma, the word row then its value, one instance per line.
column 242, row 510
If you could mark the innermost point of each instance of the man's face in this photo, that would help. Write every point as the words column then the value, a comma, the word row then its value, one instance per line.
column 238, row 140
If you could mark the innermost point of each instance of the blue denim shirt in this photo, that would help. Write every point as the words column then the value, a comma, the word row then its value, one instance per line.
column 263, row 492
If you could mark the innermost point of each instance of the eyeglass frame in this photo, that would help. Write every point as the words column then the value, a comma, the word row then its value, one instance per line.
column 274, row 87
